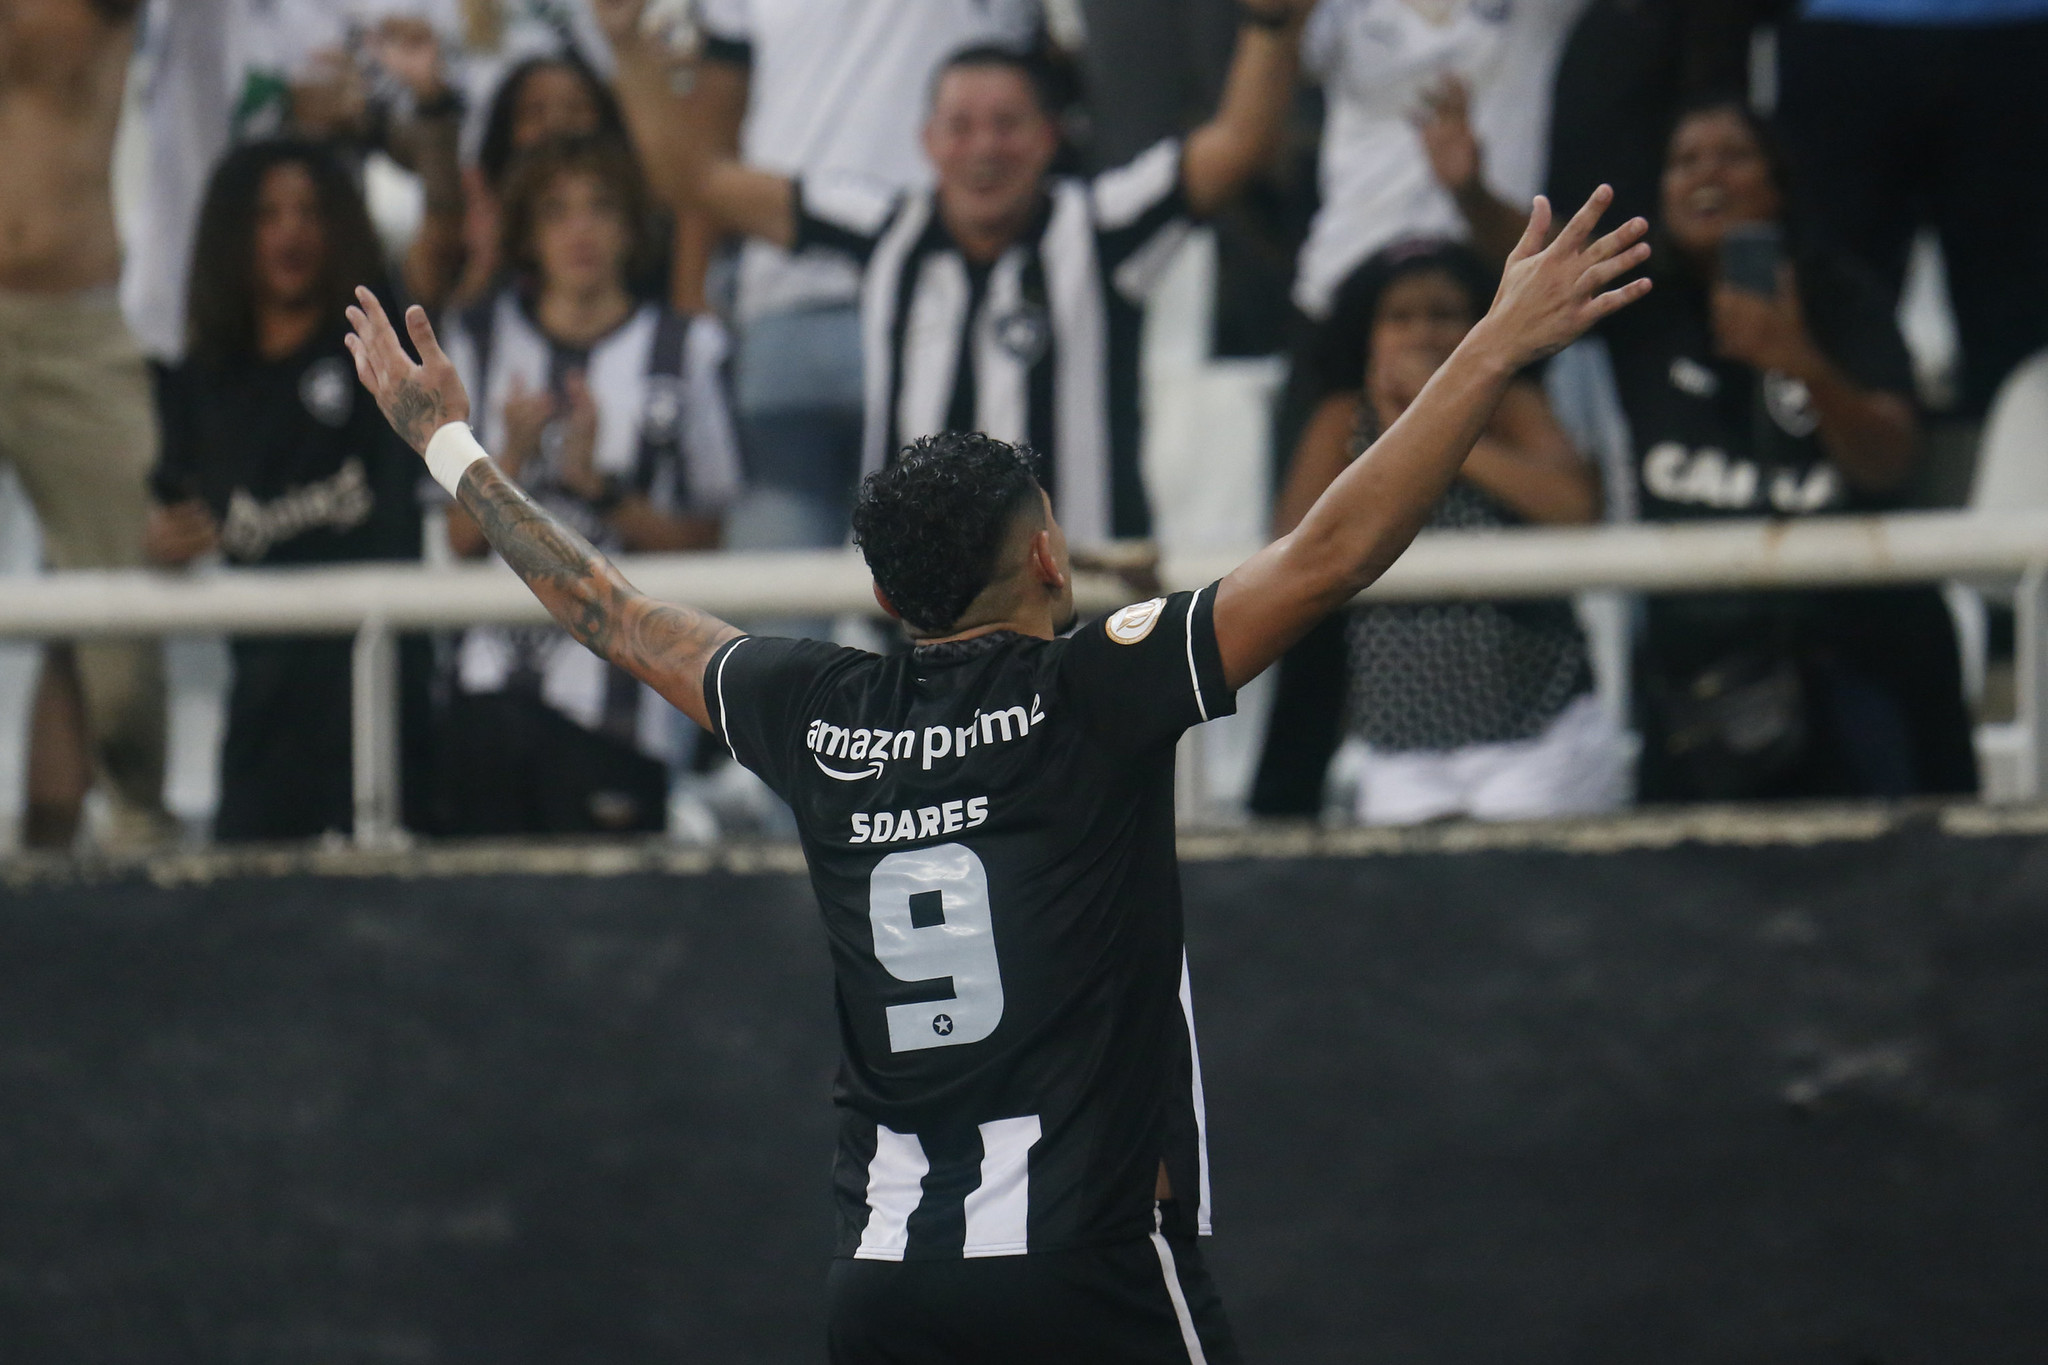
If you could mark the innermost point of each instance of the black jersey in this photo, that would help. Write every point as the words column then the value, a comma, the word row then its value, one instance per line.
column 989, row 827
column 1714, row 437
column 291, row 457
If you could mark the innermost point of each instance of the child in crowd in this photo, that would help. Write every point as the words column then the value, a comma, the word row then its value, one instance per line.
column 541, row 98
column 1459, row 708
column 610, row 409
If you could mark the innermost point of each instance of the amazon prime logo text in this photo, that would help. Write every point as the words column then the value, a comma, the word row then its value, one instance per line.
column 859, row 752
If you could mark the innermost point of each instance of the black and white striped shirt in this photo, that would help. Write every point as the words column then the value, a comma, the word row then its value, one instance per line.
column 663, row 430
column 1039, row 347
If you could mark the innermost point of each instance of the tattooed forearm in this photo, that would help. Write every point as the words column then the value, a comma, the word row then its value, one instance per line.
column 662, row 644
column 532, row 540
column 564, row 570
column 660, row 632
column 416, row 414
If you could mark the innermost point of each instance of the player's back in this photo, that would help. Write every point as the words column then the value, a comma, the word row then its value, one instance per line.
column 989, row 826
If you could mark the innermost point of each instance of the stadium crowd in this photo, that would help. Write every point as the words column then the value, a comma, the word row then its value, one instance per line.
column 704, row 263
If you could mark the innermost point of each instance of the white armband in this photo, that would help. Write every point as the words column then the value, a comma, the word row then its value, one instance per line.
column 450, row 453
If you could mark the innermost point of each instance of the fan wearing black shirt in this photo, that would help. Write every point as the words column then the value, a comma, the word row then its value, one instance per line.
column 271, row 457
column 1790, row 403
column 988, row 819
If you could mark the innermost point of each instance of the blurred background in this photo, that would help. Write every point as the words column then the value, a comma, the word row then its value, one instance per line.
column 1851, row 286
column 1678, row 799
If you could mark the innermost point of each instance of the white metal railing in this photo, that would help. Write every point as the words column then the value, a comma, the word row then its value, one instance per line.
column 373, row 602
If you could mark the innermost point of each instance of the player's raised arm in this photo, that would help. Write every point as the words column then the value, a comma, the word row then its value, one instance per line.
column 664, row 646
column 1548, row 297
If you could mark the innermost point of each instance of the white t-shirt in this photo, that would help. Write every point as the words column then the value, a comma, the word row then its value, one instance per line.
column 215, row 73
column 212, row 71
column 1375, row 60
column 841, row 87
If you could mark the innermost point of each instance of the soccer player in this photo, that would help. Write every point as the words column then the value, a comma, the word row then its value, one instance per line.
column 988, row 819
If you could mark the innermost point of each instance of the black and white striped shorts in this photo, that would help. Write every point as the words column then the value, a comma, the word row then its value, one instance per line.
column 1148, row 1302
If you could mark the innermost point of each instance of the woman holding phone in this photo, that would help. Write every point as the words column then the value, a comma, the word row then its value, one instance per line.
column 1758, row 380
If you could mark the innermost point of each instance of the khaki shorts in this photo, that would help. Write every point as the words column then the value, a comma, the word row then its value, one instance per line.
column 78, row 424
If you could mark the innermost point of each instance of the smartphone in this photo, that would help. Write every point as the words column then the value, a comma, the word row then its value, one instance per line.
column 1750, row 256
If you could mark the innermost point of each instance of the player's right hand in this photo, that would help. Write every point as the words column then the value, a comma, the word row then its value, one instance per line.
column 1552, row 295
column 417, row 399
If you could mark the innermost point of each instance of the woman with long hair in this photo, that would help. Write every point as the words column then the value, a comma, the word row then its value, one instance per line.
column 540, row 99
column 1760, row 378
column 272, row 455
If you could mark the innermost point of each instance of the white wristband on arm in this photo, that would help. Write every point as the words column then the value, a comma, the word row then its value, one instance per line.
column 450, row 452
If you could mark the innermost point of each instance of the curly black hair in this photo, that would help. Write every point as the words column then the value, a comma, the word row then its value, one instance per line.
column 932, row 524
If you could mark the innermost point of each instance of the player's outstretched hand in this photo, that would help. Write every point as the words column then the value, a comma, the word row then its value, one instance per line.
column 1551, row 295
column 417, row 399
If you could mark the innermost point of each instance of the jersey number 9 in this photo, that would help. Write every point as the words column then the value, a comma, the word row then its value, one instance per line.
column 929, row 908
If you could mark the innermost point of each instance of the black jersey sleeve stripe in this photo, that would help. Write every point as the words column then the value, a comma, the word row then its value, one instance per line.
column 842, row 214
column 1189, row 1336
column 714, row 693
column 756, row 691
column 1143, row 675
column 1213, row 694
column 1194, row 674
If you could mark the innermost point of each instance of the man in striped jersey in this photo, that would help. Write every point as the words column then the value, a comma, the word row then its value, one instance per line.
column 988, row 818
column 1004, row 299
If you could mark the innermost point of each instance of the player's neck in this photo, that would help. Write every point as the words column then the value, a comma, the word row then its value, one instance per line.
column 1033, row 619
column 1027, row 596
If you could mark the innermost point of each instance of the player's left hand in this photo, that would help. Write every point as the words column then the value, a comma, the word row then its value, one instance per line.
column 1550, row 296
column 418, row 399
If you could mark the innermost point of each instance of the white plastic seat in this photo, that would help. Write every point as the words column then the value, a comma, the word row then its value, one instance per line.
column 2012, row 474
column 2012, row 459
